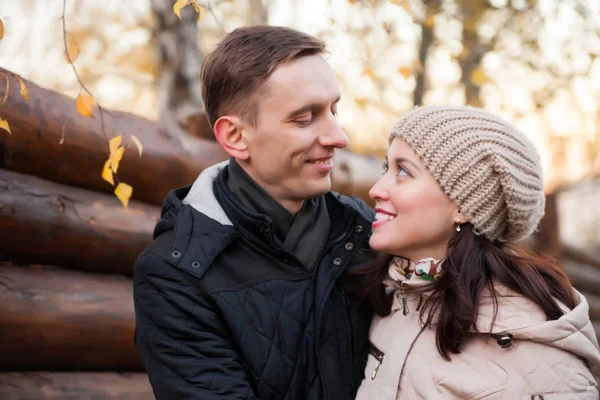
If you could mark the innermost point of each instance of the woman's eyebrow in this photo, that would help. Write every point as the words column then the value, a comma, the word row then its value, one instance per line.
column 401, row 160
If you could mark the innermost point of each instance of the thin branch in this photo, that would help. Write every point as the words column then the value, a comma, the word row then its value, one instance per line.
column 64, row 24
column 210, row 10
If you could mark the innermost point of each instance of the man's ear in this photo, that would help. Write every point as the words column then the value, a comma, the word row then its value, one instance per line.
column 229, row 132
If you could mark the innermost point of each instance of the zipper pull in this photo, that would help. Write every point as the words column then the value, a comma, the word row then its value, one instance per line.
column 375, row 370
column 404, row 298
column 378, row 354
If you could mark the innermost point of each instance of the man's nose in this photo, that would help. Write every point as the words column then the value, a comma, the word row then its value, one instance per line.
column 334, row 136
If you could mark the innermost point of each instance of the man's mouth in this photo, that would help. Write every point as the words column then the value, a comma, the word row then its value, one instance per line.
column 322, row 161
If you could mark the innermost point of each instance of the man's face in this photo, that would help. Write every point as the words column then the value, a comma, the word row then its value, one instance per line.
column 291, row 148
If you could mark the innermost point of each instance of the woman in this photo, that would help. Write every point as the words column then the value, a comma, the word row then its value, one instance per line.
column 463, row 313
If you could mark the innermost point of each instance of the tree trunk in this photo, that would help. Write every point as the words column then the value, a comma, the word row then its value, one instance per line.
column 34, row 147
column 47, row 223
column 63, row 320
column 179, row 59
column 74, row 386
column 473, row 50
column 427, row 36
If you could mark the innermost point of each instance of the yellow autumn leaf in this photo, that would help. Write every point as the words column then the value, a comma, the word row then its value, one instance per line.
column 23, row 90
column 200, row 10
column 429, row 21
column 361, row 102
column 115, row 159
column 478, row 76
column 404, row 3
column 370, row 73
column 138, row 144
column 1, row 29
column 7, row 87
column 85, row 104
column 114, row 143
column 72, row 52
column 406, row 72
column 178, row 6
column 416, row 65
column 4, row 125
column 123, row 191
column 107, row 173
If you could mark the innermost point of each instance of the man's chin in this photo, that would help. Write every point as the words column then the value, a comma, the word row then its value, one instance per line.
column 317, row 188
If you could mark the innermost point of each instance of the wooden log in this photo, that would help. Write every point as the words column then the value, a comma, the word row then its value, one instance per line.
column 548, row 235
column 167, row 162
column 581, row 256
column 74, row 386
column 37, row 130
column 61, row 320
column 594, row 303
column 584, row 278
column 47, row 223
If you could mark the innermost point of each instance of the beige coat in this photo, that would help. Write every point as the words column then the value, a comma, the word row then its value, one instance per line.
column 547, row 360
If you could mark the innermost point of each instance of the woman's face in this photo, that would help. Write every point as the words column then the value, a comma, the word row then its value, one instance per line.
column 415, row 218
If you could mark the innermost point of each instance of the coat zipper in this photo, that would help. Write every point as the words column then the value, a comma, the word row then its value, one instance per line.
column 351, row 323
column 378, row 354
column 339, row 239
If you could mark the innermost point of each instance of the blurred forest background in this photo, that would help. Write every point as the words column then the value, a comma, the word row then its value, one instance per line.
column 535, row 62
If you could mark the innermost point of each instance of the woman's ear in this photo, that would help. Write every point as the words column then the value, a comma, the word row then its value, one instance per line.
column 229, row 132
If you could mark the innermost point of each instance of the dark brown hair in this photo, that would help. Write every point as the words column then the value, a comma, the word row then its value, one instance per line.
column 473, row 263
column 232, row 75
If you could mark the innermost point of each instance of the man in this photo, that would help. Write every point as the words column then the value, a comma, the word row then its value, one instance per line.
column 242, row 293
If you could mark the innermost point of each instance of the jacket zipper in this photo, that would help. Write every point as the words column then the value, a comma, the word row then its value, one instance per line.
column 339, row 239
column 404, row 298
column 351, row 323
column 378, row 354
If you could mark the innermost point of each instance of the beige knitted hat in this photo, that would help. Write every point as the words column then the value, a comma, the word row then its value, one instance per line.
column 483, row 163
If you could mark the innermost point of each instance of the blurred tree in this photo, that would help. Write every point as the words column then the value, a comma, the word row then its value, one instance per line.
column 179, row 59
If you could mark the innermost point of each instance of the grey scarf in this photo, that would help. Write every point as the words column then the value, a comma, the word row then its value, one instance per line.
column 304, row 235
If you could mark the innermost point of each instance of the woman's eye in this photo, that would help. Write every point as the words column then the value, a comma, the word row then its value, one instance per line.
column 385, row 168
column 402, row 172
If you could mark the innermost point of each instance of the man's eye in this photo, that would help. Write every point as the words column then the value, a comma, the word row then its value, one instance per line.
column 304, row 121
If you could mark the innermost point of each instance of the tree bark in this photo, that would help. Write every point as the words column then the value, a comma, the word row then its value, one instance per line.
column 62, row 320
column 47, row 223
column 473, row 49
column 35, row 145
column 74, row 386
column 179, row 59
column 427, row 37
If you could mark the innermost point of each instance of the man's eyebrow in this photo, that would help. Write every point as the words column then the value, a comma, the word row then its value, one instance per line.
column 309, row 107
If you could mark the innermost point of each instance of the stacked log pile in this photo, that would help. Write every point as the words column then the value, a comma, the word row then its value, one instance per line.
column 67, row 245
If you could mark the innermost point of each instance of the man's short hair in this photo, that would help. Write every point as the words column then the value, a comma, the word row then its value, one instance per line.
column 233, row 75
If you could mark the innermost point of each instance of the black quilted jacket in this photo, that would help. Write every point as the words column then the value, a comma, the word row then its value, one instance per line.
column 222, row 314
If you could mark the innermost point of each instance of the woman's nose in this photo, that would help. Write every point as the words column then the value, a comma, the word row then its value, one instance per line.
column 378, row 191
